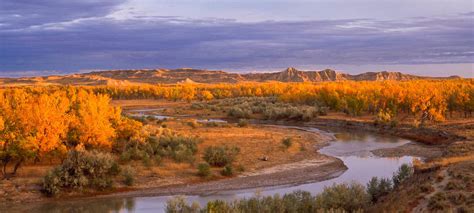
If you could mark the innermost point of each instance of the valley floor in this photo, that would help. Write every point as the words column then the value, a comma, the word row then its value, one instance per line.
column 258, row 141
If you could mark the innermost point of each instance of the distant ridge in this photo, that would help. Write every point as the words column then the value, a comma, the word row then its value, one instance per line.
column 188, row 75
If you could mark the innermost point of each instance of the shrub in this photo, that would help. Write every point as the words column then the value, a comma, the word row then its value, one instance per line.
column 439, row 203
column 454, row 185
column 193, row 124
column 128, row 178
column 135, row 153
column 218, row 206
column 243, row 123
column 405, row 171
column 79, row 170
column 322, row 111
column 179, row 205
column 350, row 197
column 287, row 142
column 197, row 106
column 173, row 144
column 227, row 171
column 204, row 170
column 377, row 188
column 177, row 147
column 238, row 112
column 298, row 201
column 300, row 113
column 220, row 155
column 212, row 124
column 240, row 168
column 146, row 160
column 115, row 169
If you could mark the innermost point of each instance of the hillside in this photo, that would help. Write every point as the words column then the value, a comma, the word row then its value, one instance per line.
column 186, row 75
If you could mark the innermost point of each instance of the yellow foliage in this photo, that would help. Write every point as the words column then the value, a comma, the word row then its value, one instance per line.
column 426, row 99
column 2, row 124
column 36, row 121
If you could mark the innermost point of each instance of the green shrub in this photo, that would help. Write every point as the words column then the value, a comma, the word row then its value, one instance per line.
column 405, row 171
column 115, row 168
column 298, row 201
column 227, row 171
column 128, row 176
column 350, row 197
column 146, row 160
column 281, row 112
column 136, row 153
column 377, row 188
column 287, row 142
column 79, row 170
column 238, row 112
column 204, row 170
column 220, row 155
column 218, row 206
column 179, row 205
column 243, row 123
column 177, row 147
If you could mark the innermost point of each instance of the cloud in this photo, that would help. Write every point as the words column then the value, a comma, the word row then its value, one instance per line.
column 87, row 41
column 17, row 14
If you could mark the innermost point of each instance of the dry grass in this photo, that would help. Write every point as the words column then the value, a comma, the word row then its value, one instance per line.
column 254, row 143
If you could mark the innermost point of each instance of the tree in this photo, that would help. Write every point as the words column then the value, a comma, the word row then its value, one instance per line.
column 94, row 120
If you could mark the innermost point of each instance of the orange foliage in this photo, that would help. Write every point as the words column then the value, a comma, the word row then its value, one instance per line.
column 425, row 99
column 38, row 121
column 35, row 122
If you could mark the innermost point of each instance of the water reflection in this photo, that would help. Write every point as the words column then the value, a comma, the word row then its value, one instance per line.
column 89, row 206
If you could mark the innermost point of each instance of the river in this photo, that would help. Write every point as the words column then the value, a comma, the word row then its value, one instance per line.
column 353, row 148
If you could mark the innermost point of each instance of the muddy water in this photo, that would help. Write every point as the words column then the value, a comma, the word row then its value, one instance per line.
column 353, row 148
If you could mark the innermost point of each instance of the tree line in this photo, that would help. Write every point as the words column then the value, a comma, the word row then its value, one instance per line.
column 38, row 123
column 426, row 100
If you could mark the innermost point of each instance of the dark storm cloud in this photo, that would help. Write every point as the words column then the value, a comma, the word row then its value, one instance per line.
column 95, row 42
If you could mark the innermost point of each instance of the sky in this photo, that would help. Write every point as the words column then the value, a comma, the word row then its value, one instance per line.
column 424, row 37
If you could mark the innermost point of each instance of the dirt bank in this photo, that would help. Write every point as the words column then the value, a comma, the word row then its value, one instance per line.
column 411, row 149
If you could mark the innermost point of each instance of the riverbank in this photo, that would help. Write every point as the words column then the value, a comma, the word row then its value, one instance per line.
column 254, row 141
column 279, row 170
